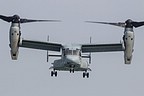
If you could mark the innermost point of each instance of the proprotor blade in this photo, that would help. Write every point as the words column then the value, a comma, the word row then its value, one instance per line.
column 137, row 24
column 6, row 18
column 120, row 24
column 31, row 20
column 17, row 19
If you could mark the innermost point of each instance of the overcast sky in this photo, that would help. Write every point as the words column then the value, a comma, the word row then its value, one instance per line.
column 30, row 74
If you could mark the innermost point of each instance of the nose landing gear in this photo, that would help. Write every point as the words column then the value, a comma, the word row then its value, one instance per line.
column 72, row 70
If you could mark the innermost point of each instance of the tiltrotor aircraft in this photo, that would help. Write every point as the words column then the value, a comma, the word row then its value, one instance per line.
column 72, row 56
column 128, row 36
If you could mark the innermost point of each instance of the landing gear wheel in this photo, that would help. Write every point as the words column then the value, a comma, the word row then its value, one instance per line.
column 83, row 75
column 86, row 74
column 54, row 73
column 71, row 70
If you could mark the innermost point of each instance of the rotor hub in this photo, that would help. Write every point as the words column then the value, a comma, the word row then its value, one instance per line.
column 16, row 19
column 129, row 23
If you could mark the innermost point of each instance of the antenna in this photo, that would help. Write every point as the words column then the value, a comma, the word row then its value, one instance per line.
column 90, row 52
column 47, row 50
column 90, row 39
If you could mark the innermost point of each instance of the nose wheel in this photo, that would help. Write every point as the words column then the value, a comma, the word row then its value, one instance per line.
column 71, row 70
column 54, row 73
column 85, row 74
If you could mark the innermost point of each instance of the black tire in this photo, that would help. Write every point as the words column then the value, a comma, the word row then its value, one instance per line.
column 52, row 73
column 73, row 70
column 84, row 75
column 55, row 73
column 87, row 75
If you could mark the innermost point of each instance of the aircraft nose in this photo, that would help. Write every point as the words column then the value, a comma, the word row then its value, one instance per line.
column 72, row 59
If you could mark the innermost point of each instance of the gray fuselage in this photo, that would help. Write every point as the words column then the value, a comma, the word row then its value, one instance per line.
column 71, row 59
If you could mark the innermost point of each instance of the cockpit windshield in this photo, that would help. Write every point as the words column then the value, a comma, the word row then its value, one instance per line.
column 68, row 52
column 72, row 52
column 75, row 52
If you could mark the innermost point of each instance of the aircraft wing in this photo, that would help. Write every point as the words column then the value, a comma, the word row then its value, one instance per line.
column 40, row 45
column 102, row 47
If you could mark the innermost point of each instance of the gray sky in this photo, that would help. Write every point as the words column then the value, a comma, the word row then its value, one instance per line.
column 30, row 76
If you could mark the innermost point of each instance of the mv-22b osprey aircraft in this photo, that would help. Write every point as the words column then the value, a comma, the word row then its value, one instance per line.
column 71, row 55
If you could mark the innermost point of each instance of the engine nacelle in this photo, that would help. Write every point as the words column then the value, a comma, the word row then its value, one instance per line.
column 14, row 40
column 129, row 44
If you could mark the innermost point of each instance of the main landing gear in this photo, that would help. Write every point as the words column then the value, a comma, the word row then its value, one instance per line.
column 54, row 73
column 85, row 74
